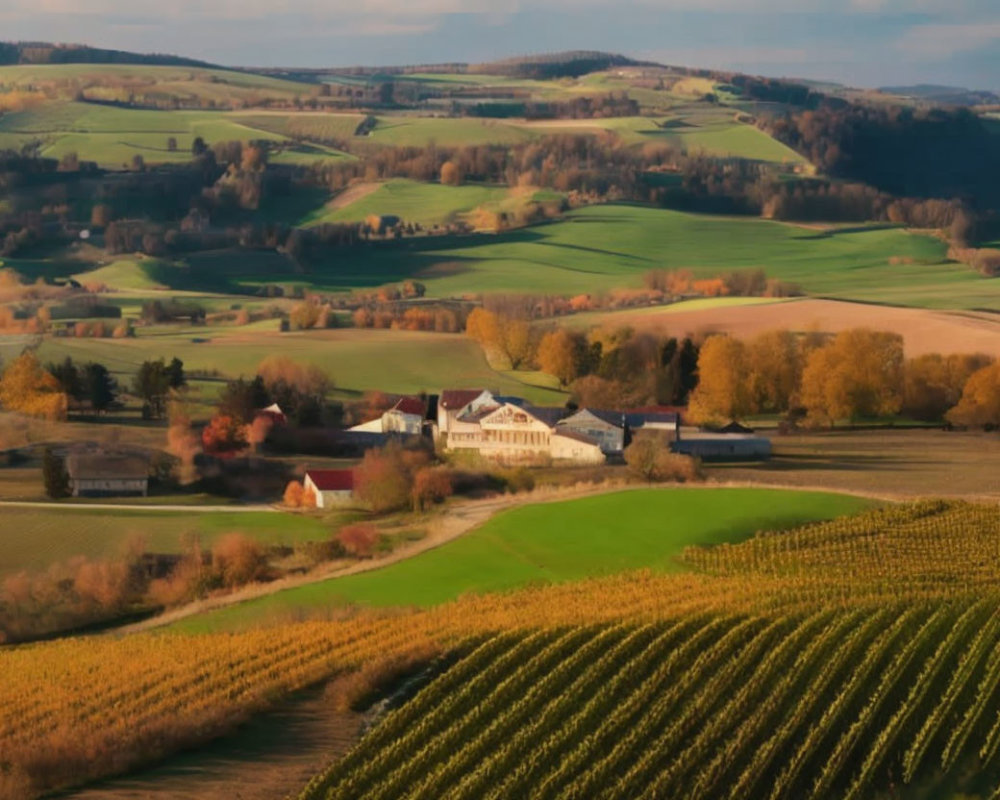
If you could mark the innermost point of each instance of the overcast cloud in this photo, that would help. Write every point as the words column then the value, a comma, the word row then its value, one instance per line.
column 862, row 42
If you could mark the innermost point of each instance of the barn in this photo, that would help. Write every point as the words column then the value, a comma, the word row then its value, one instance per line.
column 332, row 487
column 99, row 474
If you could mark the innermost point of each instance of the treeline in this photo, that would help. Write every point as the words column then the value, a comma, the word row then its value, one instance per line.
column 902, row 151
column 823, row 380
column 548, row 66
column 613, row 104
column 49, row 53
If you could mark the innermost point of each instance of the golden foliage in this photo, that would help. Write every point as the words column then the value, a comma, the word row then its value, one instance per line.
column 27, row 388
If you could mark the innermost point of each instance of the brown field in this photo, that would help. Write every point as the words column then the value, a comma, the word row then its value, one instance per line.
column 895, row 463
column 923, row 330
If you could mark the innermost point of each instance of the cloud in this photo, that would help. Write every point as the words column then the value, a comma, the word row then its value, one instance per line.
column 944, row 40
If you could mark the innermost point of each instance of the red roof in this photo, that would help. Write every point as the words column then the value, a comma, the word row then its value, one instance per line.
column 410, row 405
column 459, row 398
column 332, row 480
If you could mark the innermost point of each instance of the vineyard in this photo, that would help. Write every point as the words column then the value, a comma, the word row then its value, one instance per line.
column 845, row 659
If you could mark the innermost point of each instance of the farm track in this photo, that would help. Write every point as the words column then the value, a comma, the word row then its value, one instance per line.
column 255, row 509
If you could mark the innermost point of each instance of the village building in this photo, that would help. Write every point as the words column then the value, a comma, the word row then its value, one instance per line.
column 332, row 487
column 100, row 474
column 607, row 428
column 405, row 418
column 717, row 446
column 514, row 432
column 653, row 419
column 455, row 403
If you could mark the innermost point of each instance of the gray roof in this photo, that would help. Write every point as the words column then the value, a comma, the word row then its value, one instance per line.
column 550, row 415
column 614, row 418
column 636, row 419
column 106, row 466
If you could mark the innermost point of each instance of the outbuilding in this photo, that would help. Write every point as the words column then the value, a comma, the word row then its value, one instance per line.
column 332, row 487
column 107, row 475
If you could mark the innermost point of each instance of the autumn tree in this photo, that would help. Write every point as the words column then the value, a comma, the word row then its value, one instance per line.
column 561, row 354
column 293, row 494
column 182, row 442
column 774, row 368
column 858, row 374
column 237, row 560
column 224, row 436
column 933, row 384
column 723, row 391
column 29, row 389
column 384, row 479
column 451, row 175
column 431, row 485
column 979, row 406
column 649, row 458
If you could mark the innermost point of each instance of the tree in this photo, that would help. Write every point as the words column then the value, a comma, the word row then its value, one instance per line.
column 175, row 374
column 242, row 399
column 99, row 388
column 152, row 384
column 224, row 436
column 774, row 368
column 198, row 146
column 172, row 144
column 238, row 560
column 67, row 375
column 431, row 485
column 451, row 175
column 723, row 392
column 27, row 388
column 858, row 374
column 293, row 494
column 649, row 458
column 383, row 480
column 100, row 215
column 980, row 403
column 933, row 384
column 54, row 475
column 561, row 354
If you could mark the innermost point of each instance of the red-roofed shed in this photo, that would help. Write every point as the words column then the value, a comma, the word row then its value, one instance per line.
column 332, row 487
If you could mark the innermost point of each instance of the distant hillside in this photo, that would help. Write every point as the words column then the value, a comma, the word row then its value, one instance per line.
column 48, row 53
column 943, row 95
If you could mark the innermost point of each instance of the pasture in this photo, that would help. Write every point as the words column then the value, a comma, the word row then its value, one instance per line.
column 598, row 248
column 35, row 538
column 112, row 136
column 403, row 362
column 552, row 542
column 428, row 204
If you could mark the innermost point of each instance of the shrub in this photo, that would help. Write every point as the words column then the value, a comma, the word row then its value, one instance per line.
column 238, row 560
column 359, row 539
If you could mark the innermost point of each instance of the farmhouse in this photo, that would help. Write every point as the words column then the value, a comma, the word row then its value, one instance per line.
column 512, row 432
column 455, row 403
column 98, row 474
column 406, row 418
column 332, row 487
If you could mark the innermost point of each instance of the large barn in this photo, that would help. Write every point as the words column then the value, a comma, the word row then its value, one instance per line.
column 100, row 474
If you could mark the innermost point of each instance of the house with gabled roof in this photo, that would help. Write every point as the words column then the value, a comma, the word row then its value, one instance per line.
column 454, row 403
column 331, row 487
column 607, row 428
column 405, row 417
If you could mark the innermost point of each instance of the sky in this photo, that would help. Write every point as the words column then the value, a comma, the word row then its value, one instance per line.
column 857, row 42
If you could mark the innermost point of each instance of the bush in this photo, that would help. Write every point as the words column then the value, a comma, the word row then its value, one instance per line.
column 238, row 560
column 359, row 539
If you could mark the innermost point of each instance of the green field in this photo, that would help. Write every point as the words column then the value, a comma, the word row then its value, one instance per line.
column 34, row 538
column 112, row 136
column 549, row 542
column 414, row 202
column 356, row 359
column 604, row 247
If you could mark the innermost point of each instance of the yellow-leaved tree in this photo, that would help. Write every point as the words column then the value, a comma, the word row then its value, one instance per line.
column 27, row 388
column 858, row 374
column 723, row 391
column 980, row 403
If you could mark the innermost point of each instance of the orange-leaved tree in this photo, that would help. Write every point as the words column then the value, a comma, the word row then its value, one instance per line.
column 980, row 403
column 723, row 391
column 27, row 388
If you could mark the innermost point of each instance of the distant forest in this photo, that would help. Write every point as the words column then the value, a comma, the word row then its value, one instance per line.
column 48, row 53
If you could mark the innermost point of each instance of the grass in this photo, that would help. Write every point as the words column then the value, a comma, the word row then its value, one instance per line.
column 424, row 203
column 356, row 359
column 551, row 542
column 35, row 538
column 602, row 247
column 112, row 136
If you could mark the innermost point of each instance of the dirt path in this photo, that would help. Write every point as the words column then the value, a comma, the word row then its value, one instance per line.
column 351, row 195
column 271, row 756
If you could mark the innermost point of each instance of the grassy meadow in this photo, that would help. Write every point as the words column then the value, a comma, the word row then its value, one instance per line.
column 35, row 538
column 356, row 359
column 552, row 542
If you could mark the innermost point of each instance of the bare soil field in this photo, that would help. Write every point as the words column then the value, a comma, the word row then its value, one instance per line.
column 893, row 463
column 923, row 330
